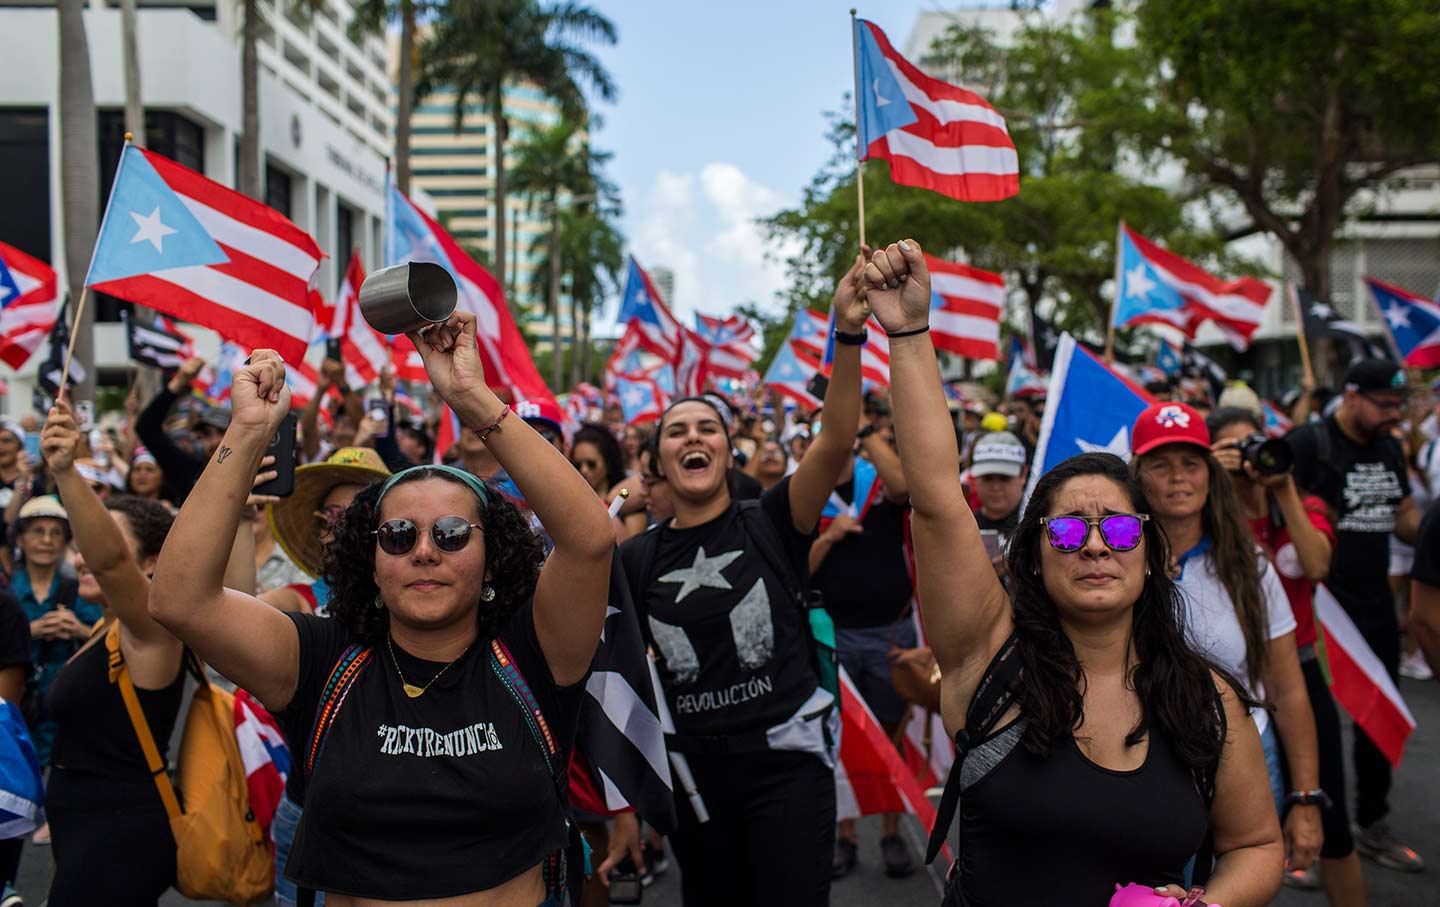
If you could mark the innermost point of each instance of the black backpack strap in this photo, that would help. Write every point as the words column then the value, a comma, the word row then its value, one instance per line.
column 992, row 699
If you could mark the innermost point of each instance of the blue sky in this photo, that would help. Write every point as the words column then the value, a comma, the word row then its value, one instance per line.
column 720, row 120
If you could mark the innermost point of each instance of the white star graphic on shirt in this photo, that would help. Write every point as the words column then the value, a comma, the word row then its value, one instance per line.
column 1118, row 445
column 703, row 573
column 1398, row 317
column 151, row 229
column 1138, row 282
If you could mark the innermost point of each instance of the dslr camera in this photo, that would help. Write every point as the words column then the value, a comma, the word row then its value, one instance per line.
column 1269, row 456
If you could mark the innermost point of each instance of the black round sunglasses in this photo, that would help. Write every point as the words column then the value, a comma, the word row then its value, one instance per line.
column 450, row 534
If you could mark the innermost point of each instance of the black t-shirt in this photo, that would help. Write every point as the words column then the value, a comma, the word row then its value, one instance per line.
column 733, row 646
column 431, row 797
column 1006, row 526
column 1363, row 485
column 864, row 577
column 14, row 631
column 1427, row 549
column 746, row 487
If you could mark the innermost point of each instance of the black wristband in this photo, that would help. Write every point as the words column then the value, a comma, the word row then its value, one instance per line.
column 1315, row 797
column 865, row 432
column 912, row 333
column 852, row 339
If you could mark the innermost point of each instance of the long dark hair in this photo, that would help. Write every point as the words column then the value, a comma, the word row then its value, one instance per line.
column 1233, row 553
column 1173, row 682
column 512, row 553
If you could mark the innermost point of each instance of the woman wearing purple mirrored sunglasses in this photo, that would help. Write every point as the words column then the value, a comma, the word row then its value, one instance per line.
column 1087, row 717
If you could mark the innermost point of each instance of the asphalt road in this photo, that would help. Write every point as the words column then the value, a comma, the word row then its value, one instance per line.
column 1415, row 804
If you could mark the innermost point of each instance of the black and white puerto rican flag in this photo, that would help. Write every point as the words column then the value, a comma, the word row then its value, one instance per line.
column 620, row 732
column 160, row 344
column 1319, row 319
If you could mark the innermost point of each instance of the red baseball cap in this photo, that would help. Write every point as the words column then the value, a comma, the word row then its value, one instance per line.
column 1168, row 423
column 541, row 409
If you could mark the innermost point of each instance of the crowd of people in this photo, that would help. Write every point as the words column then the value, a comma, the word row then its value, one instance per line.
column 1126, row 653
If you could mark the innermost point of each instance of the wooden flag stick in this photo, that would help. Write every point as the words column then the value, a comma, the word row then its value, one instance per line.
column 1115, row 303
column 1300, row 334
column 74, row 334
column 859, row 159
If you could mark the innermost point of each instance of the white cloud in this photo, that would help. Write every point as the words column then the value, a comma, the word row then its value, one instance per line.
column 703, row 227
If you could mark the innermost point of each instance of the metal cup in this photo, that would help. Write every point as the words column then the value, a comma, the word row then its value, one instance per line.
column 407, row 297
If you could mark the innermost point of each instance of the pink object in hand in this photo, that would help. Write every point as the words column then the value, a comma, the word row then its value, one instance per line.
column 1134, row 895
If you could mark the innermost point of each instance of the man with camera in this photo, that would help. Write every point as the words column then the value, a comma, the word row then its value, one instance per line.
column 1298, row 538
column 1355, row 464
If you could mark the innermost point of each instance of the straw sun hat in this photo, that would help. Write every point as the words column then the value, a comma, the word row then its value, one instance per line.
column 292, row 519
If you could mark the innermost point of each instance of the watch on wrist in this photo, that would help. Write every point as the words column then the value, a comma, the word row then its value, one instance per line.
column 850, row 339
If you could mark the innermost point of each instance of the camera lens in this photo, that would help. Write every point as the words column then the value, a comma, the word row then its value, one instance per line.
column 1269, row 456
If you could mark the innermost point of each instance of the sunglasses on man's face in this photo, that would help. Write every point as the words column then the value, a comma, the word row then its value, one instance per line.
column 1119, row 531
column 450, row 534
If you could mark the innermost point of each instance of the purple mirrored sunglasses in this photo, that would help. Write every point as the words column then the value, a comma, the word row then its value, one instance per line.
column 1119, row 531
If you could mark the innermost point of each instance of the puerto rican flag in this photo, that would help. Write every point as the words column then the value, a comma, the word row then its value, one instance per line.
column 29, row 304
column 641, row 398
column 625, row 356
column 187, row 246
column 790, row 373
column 1156, row 286
column 406, row 360
column 720, row 331
column 965, row 309
column 364, row 350
column 1412, row 323
column 871, row 776
column 264, row 754
column 642, row 305
column 412, row 235
column 815, row 334
column 1277, row 424
column 935, row 135
column 1359, row 680
column 447, row 435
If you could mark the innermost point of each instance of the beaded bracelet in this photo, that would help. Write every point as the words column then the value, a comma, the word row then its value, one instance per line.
column 484, row 432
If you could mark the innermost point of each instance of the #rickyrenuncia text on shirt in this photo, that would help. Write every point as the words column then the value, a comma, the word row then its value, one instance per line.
column 400, row 740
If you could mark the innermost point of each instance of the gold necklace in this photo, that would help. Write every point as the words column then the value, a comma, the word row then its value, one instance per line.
column 411, row 689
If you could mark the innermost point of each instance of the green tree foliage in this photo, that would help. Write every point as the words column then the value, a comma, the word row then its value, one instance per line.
column 1292, row 108
column 1070, row 95
column 480, row 47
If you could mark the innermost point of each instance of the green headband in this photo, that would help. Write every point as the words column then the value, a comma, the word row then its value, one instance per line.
column 471, row 480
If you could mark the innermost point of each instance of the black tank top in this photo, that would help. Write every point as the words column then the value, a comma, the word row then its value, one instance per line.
column 93, row 732
column 1062, row 829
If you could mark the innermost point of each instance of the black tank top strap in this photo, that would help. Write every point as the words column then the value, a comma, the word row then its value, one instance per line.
column 993, row 698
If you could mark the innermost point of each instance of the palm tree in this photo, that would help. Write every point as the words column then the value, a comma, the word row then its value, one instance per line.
column 249, row 172
column 371, row 18
column 130, row 60
column 548, row 163
column 79, row 170
column 482, row 46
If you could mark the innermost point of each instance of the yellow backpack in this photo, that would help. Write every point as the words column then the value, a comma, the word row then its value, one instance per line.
column 221, row 851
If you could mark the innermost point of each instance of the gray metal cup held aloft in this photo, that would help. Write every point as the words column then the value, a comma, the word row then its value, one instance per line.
column 408, row 297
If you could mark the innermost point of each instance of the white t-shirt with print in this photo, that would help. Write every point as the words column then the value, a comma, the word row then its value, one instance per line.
column 1214, row 628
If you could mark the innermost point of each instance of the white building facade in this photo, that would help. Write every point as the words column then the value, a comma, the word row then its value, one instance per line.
column 325, row 128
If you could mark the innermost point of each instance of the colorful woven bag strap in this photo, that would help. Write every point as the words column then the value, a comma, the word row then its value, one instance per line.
column 561, row 870
column 342, row 679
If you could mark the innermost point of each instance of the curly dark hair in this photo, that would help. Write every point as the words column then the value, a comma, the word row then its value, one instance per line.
column 609, row 447
column 1173, row 681
column 149, row 520
column 513, row 554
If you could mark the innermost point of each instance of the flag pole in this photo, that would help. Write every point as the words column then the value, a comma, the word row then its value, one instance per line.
column 1300, row 334
column 859, row 157
column 85, row 290
column 1115, row 303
